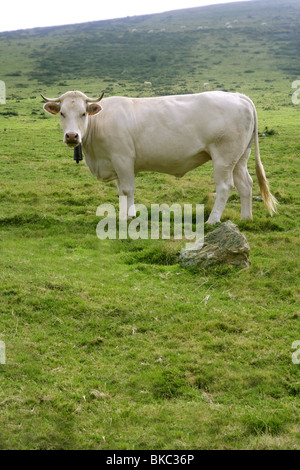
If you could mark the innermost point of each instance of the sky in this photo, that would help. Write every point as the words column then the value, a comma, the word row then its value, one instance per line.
column 24, row 14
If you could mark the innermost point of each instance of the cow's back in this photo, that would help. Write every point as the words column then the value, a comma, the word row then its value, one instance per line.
column 174, row 134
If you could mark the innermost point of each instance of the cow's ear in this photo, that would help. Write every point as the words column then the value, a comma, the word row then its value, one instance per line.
column 52, row 108
column 93, row 108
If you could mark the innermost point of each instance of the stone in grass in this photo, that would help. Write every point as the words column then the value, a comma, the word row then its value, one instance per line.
column 225, row 245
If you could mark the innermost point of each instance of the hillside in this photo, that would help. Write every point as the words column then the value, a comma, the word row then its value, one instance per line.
column 111, row 344
column 244, row 47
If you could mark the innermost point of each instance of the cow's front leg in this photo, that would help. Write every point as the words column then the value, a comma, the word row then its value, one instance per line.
column 124, row 167
column 126, row 190
column 126, row 197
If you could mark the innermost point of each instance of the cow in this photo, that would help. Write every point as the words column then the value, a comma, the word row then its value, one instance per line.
column 123, row 136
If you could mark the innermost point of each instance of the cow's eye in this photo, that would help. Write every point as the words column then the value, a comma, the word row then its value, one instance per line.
column 83, row 114
column 62, row 115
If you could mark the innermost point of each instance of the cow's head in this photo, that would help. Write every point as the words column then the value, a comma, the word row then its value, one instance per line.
column 74, row 108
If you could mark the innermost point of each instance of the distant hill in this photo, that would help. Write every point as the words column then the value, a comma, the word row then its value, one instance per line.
column 241, row 46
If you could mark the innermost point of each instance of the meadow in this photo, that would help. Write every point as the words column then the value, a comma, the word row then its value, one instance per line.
column 110, row 344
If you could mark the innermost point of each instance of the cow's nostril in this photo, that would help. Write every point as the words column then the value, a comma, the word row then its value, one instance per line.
column 72, row 137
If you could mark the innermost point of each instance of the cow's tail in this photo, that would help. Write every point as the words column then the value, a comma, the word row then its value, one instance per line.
column 268, row 198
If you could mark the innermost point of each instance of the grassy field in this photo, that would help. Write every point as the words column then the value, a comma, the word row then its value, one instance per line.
column 111, row 344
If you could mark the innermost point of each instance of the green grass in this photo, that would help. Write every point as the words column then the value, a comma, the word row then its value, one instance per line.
column 111, row 344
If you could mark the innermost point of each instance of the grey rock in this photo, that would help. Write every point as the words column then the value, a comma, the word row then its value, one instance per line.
column 225, row 245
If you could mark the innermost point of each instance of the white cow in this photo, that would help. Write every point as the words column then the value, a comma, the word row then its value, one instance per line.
column 168, row 134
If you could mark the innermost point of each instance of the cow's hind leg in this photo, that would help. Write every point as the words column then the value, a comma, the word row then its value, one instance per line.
column 243, row 183
column 224, row 182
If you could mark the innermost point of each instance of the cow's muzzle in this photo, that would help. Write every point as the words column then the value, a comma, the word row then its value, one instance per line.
column 72, row 139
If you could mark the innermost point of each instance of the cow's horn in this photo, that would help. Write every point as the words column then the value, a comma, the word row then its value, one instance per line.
column 50, row 100
column 96, row 100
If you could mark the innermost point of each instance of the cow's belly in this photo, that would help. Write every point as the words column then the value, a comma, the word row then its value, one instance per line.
column 172, row 165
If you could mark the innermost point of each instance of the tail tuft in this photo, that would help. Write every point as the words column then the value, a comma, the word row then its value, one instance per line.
column 268, row 198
